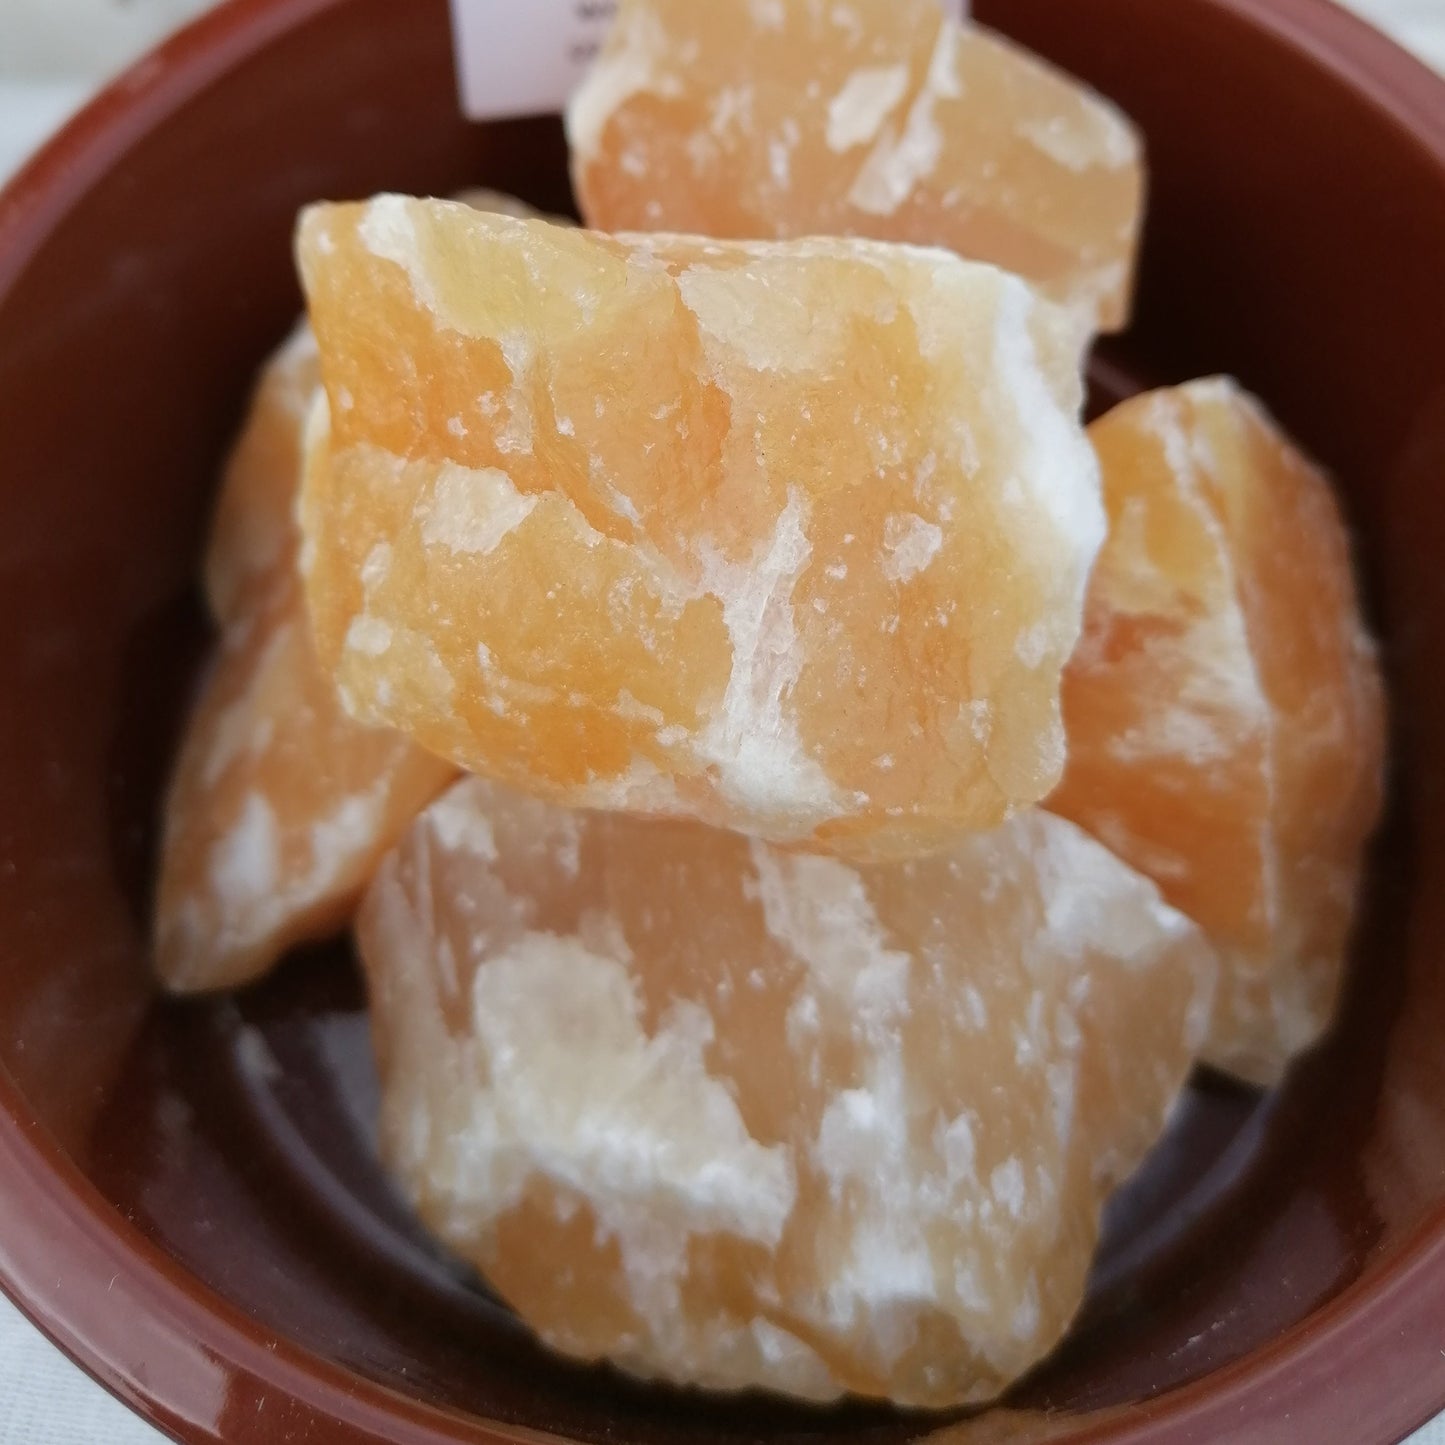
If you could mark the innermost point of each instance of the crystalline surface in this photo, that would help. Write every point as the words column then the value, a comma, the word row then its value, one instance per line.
column 735, row 1117
column 280, row 805
column 882, row 118
column 280, row 808
column 253, row 535
column 1224, row 710
column 791, row 538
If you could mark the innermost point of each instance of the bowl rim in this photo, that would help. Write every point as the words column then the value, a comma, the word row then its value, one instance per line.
column 170, row 1348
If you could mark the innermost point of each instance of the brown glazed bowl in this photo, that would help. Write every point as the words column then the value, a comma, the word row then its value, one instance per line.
column 189, row 1203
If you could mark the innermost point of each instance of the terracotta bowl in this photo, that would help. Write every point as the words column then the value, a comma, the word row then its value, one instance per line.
column 188, row 1199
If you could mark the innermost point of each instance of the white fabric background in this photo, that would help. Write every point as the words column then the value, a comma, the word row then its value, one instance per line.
column 52, row 53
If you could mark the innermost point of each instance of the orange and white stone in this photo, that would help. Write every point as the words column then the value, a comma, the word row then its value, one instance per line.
column 1224, row 711
column 882, row 118
column 254, row 536
column 786, row 537
column 733, row 1117
column 280, row 808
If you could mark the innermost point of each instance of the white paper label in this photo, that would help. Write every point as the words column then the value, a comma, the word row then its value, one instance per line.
column 525, row 57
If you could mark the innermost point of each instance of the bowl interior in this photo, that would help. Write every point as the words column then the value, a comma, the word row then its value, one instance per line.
column 1295, row 240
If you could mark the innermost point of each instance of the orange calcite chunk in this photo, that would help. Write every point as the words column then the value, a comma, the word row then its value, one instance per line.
column 735, row 1117
column 253, row 534
column 882, row 118
column 1224, row 711
column 280, row 808
column 791, row 538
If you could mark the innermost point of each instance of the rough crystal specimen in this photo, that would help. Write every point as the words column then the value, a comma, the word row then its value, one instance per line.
column 253, row 533
column 280, row 805
column 734, row 1117
column 1224, row 710
column 791, row 538
column 280, row 808
column 881, row 118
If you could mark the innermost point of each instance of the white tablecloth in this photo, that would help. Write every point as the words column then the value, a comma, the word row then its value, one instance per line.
column 52, row 52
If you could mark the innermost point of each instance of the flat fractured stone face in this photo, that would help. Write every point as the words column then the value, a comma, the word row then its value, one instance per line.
column 735, row 1117
column 786, row 537
column 879, row 118
column 1225, row 712
column 254, row 537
